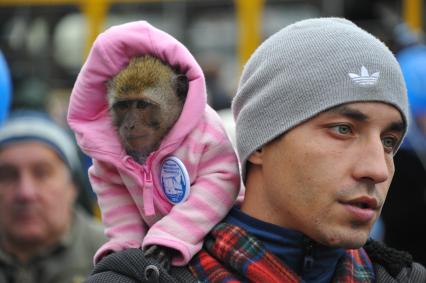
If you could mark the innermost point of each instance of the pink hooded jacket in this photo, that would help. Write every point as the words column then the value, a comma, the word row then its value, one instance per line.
column 134, row 205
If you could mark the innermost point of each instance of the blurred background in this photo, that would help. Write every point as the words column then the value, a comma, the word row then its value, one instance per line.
column 45, row 43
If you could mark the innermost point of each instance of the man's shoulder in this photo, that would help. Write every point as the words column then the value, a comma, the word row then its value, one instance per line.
column 85, row 221
column 88, row 232
column 131, row 266
column 392, row 265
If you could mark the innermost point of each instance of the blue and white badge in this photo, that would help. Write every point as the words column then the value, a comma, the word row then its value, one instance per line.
column 174, row 180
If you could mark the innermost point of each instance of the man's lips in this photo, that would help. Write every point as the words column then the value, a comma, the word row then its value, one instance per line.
column 365, row 202
column 362, row 208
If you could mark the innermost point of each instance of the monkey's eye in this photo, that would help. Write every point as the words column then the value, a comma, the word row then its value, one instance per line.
column 122, row 105
column 142, row 104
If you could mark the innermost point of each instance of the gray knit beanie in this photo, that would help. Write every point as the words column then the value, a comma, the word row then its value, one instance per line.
column 306, row 68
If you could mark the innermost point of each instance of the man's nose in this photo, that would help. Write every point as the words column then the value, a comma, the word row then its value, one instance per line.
column 26, row 188
column 373, row 162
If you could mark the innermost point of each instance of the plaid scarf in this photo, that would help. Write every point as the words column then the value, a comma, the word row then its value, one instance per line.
column 231, row 255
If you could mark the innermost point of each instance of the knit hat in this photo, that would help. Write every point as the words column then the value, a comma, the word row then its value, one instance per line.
column 25, row 125
column 306, row 68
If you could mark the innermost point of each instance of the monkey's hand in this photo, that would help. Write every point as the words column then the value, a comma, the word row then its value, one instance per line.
column 161, row 254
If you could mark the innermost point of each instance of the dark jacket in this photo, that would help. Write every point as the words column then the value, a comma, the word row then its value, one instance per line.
column 392, row 266
column 130, row 266
column 70, row 261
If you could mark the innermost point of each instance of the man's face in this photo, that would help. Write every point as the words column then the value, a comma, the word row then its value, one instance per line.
column 329, row 176
column 36, row 195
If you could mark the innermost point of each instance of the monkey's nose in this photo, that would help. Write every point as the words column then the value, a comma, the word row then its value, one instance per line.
column 129, row 126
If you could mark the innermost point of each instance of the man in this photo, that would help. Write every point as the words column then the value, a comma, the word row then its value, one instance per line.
column 320, row 111
column 43, row 238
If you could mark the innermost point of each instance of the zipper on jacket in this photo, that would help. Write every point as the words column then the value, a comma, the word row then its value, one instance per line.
column 147, row 176
column 308, row 260
column 147, row 170
column 148, row 190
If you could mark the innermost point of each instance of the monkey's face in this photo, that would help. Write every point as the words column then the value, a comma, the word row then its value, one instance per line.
column 144, row 119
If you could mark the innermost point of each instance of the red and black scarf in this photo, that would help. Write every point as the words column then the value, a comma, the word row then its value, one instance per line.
column 231, row 255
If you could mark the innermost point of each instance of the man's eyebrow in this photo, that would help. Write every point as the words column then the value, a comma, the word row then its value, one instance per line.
column 349, row 112
column 355, row 114
column 396, row 127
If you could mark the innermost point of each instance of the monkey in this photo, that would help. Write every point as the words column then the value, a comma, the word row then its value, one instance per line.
column 145, row 100
column 163, row 168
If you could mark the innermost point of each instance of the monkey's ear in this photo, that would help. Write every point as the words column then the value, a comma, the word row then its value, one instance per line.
column 182, row 85
column 110, row 93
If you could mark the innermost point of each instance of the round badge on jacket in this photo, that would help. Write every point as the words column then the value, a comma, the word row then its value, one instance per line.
column 174, row 180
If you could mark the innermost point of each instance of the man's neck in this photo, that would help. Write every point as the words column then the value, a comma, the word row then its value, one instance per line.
column 308, row 259
column 22, row 252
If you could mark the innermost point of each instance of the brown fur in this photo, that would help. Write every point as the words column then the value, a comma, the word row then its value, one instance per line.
column 145, row 100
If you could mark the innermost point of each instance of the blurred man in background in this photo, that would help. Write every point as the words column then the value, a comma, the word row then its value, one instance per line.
column 44, row 237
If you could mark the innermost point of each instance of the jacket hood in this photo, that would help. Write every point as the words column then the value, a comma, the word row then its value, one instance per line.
column 88, row 113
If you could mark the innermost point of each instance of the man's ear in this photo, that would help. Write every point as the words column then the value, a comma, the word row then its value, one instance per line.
column 256, row 157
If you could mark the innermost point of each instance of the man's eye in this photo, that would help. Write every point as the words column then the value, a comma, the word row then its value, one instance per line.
column 342, row 129
column 7, row 175
column 390, row 142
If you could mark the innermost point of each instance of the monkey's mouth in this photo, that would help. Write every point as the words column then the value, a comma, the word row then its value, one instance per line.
column 138, row 137
column 139, row 142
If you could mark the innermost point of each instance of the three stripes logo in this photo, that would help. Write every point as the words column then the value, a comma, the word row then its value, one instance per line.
column 364, row 79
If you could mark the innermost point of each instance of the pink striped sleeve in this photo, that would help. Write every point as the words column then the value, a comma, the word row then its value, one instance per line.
column 212, row 195
column 123, row 225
